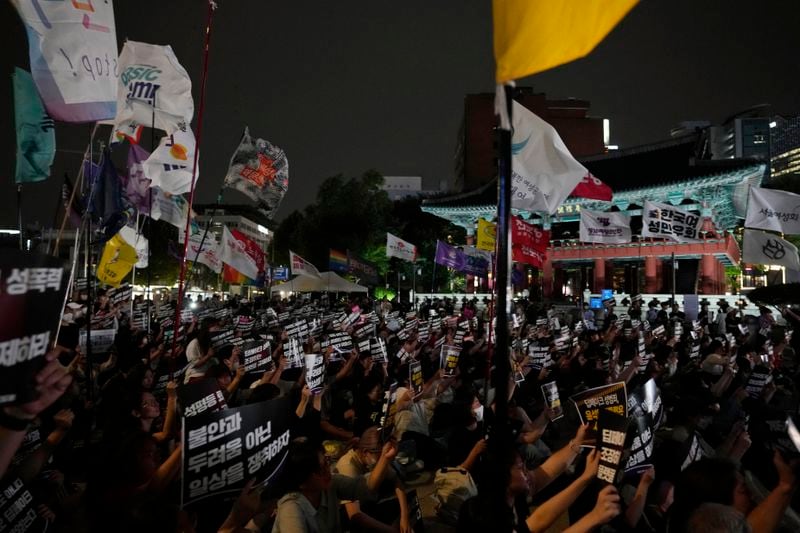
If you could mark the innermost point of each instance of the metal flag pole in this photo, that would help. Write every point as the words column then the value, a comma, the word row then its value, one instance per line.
column 501, row 354
column 201, row 108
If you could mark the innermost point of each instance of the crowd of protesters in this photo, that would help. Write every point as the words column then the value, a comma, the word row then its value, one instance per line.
column 101, row 447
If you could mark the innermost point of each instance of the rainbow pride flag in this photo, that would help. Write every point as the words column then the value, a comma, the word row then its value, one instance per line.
column 337, row 261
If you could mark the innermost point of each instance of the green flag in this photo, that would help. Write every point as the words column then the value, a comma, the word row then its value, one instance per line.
column 36, row 137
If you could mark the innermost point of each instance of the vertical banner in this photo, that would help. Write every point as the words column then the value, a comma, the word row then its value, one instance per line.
column 222, row 450
column 36, row 136
column 32, row 288
column 73, row 56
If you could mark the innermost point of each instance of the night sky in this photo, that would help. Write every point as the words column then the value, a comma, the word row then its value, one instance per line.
column 351, row 85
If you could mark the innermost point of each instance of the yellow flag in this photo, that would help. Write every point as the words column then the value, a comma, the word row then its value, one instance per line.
column 531, row 36
column 486, row 235
column 117, row 260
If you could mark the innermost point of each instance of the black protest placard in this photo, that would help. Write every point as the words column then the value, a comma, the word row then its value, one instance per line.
column 315, row 371
column 415, row 378
column 641, row 349
column 244, row 324
column 377, row 348
column 351, row 319
column 758, row 379
column 363, row 346
column 187, row 315
column 257, row 357
column 222, row 450
column 200, row 397
column 102, row 340
column 293, row 351
column 30, row 443
column 222, row 313
column 341, row 341
column 590, row 402
column 552, row 399
column 18, row 508
column 449, row 358
column 641, row 437
column 611, row 433
column 32, row 288
column 694, row 451
column 121, row 294
column 221, row 338
column 540, row 356
column 389, row 410
column 298, row 330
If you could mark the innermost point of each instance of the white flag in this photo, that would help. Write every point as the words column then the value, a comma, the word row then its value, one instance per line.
column 397, row 247
column 172, row 208
column 140, row 243
column 73, row 56
column 234, row 253
column 210, row 253
column 666, row 221
column 609, row 228
column 153, row 87
column 773, row 209
column 763, row 248
column 300, row 266
column 170, row 165
column 543, row 172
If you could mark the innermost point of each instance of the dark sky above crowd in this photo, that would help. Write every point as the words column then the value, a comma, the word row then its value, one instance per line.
column 347, row 86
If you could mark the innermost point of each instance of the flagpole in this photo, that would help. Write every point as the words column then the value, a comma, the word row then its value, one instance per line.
column 501, row 353
column 76, row 186
column 201, row 109
column 19, row 215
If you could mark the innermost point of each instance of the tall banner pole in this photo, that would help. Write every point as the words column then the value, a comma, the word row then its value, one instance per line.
column 201, row 109
column 19, row 216
column 500, row 357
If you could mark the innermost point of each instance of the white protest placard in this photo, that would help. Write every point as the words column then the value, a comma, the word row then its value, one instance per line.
column 315, row 371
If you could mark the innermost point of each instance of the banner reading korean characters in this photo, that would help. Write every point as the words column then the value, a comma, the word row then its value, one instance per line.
column 669, row 222
column 32, row 288
column 222, row 450
column 611, row 397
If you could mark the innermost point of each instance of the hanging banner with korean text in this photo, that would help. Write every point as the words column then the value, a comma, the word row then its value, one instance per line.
column 606, row 228
column 222, row 450
column 528, row 235
column 73, row 57
column 665, row 221
column 32, row 288
column 397, row 247
column 487, row 232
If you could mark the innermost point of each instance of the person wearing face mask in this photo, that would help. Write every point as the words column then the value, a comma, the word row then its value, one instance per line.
column 360, row 462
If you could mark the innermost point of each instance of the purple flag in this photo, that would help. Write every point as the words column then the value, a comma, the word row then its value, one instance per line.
column 455, row 258
column 137, row 186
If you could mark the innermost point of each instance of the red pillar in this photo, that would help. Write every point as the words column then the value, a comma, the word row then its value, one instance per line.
column 599, row 274
column 709, row 273
column 650, row 274
column 547, row 276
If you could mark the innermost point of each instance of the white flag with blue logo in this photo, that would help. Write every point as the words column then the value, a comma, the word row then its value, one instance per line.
column 543, row 172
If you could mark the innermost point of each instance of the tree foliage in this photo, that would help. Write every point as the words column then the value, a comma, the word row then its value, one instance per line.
column 355, row 214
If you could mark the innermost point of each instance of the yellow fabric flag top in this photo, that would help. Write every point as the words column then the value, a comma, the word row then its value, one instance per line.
column 531, row 36
column 117, row 260
column 486, row 235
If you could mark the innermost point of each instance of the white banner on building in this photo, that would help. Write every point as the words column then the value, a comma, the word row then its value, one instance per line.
column 397, row 247
column 774, row 210
column 665, row 221
column 763, row 248
column 608, row 228
column 152, row 87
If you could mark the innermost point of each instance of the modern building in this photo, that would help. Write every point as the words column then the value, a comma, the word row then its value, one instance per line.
column 681, row 171
column 398, row 187
column 241, row 217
